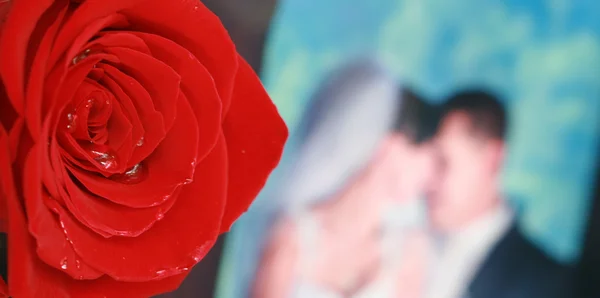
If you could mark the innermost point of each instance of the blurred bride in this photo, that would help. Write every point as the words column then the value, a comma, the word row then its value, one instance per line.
column 354, row 228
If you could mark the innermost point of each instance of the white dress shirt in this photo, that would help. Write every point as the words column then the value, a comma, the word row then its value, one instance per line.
column 462, row 254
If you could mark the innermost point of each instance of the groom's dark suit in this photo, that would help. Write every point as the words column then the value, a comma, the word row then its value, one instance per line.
column 516, row 268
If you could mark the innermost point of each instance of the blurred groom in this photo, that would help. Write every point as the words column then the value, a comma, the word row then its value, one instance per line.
column 483, row 253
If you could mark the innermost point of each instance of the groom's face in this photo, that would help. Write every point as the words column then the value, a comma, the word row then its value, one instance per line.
column 460, row 173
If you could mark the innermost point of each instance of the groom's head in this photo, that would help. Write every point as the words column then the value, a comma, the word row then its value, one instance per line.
column 469, row 151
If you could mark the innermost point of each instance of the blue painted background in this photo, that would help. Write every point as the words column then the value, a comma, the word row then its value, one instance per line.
column 542, row 56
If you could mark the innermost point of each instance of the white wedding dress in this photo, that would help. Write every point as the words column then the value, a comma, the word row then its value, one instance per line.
column 395, row 224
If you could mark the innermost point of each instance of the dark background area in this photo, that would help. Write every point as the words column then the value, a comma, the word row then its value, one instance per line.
column 3, row 256
column 588, row 275
column 247, row 22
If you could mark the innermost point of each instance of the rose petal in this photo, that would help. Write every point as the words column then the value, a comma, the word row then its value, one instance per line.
column 3, row 289
column 111, row 219
column 4, row 9
column 5, row 179
column 120, row 39
column 8, row 115
column 119, row 124
column 94, row 106
column 35, row 82
column 86, row 13
column 211, row 44
column 107, row 287
column 59, row 97
column 16, row 32
column 49, row 180
column 127, row 90
column 181, row 239
column 33, row 278
column 14, row 136
column 196, row 83
column 77, row 45
column 255, row 135
column 52, row 244
column 160, row 80
column 58, row 164
column 74, row 153
column 170, row 165
column 68, row 80
column 119, row 147
column 120, row 135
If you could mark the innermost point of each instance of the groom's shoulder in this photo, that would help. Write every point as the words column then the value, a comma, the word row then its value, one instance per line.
column 527, row 253
column 534, row 267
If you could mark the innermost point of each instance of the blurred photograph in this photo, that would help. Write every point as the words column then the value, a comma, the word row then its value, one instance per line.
column 364, row 135
column 437, row 150
column 482, row 251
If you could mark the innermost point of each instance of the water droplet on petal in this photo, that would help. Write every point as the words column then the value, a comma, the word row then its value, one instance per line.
column 81, row 56
column 134, row 171
column 243, row 151
column 106, row 159
column 90, row 103
column 200, row 252
column 140, row 142
column 160, row 215
column 63, row 264
column 71, row 122
column 78, row 264
column 122, row 233
column 196, row 7
column 64, row 229
column 132, row 176
column 161, row 272
column 164, row 199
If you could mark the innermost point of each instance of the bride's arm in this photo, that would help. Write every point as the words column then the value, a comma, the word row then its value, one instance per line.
column 414, row 265
column 275, row 274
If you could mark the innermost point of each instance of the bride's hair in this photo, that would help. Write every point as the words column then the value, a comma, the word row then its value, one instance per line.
column 416, row 118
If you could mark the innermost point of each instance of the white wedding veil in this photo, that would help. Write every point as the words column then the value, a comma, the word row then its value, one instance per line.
column 350, row 114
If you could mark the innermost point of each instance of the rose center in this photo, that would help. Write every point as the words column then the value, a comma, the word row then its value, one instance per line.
column 88, row 119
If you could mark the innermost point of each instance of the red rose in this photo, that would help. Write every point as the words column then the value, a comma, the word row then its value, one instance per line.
column 141, row 136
